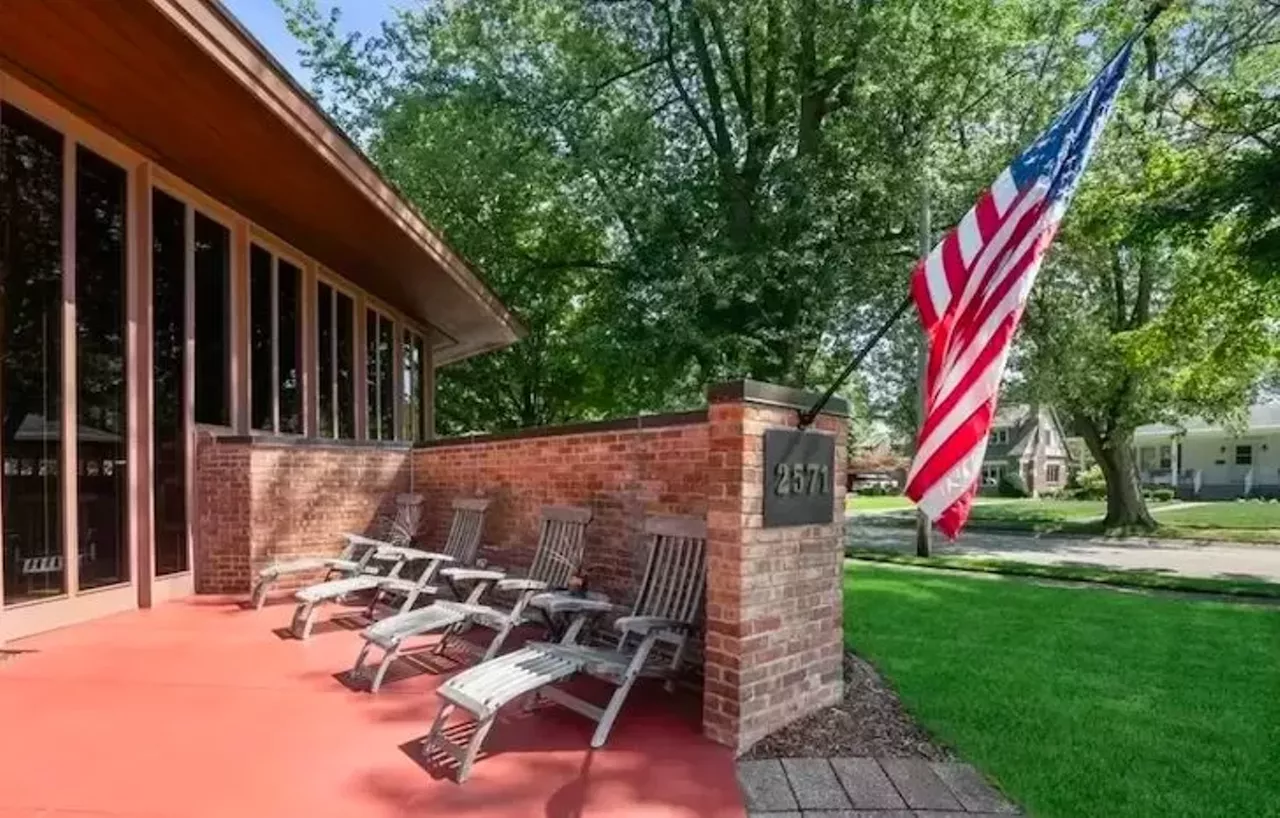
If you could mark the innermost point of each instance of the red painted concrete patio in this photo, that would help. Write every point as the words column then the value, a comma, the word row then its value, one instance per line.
column 200, row 708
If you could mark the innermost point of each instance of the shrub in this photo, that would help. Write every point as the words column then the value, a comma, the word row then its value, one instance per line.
column 1091, row 484
column 1012, row 485
column 1160, row 495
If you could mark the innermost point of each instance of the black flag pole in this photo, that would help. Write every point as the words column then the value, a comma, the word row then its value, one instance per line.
column 807, row 417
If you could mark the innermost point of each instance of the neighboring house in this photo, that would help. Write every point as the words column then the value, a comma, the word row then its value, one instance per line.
column 875, row 458
column 1211, row 462
column 1028, row 441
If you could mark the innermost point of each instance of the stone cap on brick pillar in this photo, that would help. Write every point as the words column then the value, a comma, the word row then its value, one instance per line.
column 769, row 394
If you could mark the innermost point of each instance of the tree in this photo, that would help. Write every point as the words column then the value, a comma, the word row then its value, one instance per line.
column 1147, row 311
column 669, row 192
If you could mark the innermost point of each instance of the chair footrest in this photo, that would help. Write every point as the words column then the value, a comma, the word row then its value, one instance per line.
column 485, row 688
column 336, row 588
column 386, row 633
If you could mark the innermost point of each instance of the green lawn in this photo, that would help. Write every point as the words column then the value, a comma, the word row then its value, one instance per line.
column 1038, row 511
column 890, row 502
column 1246, row 515
column 1084, row 702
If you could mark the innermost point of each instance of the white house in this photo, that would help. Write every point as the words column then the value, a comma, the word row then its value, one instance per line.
column 1212, row 462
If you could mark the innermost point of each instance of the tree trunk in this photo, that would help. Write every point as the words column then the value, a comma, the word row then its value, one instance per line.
column 1126, row 507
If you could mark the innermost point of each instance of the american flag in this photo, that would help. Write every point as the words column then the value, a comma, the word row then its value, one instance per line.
column 971, row 290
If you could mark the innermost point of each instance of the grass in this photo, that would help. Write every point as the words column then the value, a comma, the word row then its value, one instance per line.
column 1039, row 511
column 1124, row 578
column 1083, row 702
column 1241, row 515
column 888, row 502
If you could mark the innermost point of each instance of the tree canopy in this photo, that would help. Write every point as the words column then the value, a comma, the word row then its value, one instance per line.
column 670, row 192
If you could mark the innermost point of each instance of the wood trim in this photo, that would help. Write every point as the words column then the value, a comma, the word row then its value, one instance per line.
column 143, row 439
column 240, row 327
column 68, row 468
column 360, row 363
column 189, row 383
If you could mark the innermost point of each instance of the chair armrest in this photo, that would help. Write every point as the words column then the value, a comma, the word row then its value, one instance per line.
column 464, row 574
column 645, row 624
column 407, row 554
column 520, row 585
column 556, row 603
column 360, row 539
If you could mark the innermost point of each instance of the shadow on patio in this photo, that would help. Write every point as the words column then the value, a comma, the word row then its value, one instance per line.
column 197, row 709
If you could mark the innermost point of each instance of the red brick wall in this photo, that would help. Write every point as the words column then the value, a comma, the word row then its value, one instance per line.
column 774, row 630
column 621, row 474
column 263, row 500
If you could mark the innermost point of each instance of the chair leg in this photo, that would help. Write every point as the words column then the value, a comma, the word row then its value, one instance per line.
column 306, row 615
column 357, row 670
column 388, row 657
column 259, row 596
column 445, row 636
column 619, row 697
column 473, row 746
column 437, row 728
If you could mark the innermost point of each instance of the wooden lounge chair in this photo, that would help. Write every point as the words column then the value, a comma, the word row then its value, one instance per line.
column 355, row 554
column 651, row 643
column 558, row 555
column 460, row 548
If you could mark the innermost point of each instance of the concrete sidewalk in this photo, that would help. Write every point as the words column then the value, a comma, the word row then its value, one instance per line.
column 1215, row 561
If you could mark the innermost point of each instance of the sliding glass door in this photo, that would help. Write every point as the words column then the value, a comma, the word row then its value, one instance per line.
column 64, row 498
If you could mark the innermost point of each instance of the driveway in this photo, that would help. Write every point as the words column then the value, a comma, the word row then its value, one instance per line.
column 1222, row 561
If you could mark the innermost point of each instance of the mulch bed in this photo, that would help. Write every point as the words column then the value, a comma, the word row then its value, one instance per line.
column 868, row 721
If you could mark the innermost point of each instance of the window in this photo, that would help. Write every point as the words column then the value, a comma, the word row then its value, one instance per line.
column 415, row 409
column 31, row 172
column 999, row 436
column 101, row 451
column 168, row 322
column 1147, row 458
column 1166, row 457
column 1244, row 455
column 379, row 375
column 335, row 347
column 275, row 348
column 1053, row 473
column 991, row 474
column 212, row 311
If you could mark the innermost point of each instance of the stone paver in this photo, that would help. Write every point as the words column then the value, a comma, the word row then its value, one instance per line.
column 815, row 784
column 764, row 786
column 866, row 784
column 919, row 785
column 867, row 788
column 972, row 790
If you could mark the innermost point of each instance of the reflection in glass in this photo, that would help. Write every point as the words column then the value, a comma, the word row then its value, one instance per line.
column 213, row 366
column 324, row 356
column 168, row 299
column 31, row 375
column 101, row 454
column 386, row 379
column 415, row 416
column 345, row 364
column 289, row 329
column 262, row 411
column 371, row 373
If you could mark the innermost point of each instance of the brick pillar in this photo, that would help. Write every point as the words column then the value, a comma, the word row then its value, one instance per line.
column 774, row 642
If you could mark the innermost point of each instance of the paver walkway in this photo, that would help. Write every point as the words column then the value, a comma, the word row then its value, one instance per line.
column 1224, row 561
column 867, row 788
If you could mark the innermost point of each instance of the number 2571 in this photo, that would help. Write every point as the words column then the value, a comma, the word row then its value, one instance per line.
column 801, row 478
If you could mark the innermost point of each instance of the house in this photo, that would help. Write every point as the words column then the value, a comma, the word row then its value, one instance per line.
column 876, row 459
column 1210, row 461
column 204, row 282
column 1027, row 441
